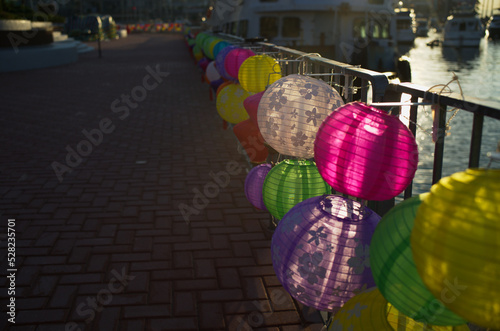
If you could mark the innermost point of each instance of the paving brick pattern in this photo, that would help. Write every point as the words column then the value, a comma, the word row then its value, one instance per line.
column 107, row 248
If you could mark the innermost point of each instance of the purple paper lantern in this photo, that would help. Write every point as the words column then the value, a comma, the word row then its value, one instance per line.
column 320, row 251
column 254, row 183
column 364, row 152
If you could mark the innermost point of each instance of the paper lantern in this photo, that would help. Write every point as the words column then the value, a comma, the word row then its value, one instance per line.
column 394, row 270
column 200, row 37
column 320, row 250
column 251, row 140
column 220, row 59
column 364, row 152
column 219, row 46
column 211, row 46
column 221, row 86
column 207, row 42
column 203, row 64
column 216, row 84
column 290, row 182
column 291, row 111
column 257, row 72
column 254, row 183
column 197, row 53
column 234, row 59
column 251, row 105
column 456, row 244
column 211, row 72
column 369, row 311
column 230, row 103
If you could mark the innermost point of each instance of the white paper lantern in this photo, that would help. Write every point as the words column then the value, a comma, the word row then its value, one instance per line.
column 291, row 111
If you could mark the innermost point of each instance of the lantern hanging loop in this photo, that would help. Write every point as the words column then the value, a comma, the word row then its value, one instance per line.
column 494, row 156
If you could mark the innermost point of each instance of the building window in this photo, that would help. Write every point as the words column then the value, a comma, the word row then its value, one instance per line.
column 291, row 27
column 234, row 28
column 359, row 28
column 243, row 29
column 268, row 27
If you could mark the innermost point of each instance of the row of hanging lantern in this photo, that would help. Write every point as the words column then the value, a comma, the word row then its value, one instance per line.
column 434, row 258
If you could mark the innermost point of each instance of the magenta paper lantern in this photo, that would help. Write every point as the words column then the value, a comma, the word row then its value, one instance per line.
column 364, row 152
column 320, row 251
column 220, row 59
column 251, row 105
column 234, row 59
column 254, row 183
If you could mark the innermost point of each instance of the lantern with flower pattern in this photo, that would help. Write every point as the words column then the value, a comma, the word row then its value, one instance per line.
column 320, row 251
column 291, row 111
column 229, row 103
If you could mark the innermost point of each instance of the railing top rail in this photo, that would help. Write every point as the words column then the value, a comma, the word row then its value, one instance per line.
column 488, row 108
column 379, row 80
column 380, row 83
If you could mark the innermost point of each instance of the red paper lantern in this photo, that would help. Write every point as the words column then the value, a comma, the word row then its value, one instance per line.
column 366, row 153
column 251, row 140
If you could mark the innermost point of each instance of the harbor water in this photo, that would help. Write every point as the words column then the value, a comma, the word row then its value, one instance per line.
column 478, row 71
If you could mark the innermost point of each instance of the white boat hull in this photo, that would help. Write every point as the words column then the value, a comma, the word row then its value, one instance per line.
column 462, row 42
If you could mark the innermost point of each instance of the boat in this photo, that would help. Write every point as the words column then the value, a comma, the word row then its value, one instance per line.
column 463, row 29
column 422, row 27
column 355, row 32
column 493, row 25
column 404, row 26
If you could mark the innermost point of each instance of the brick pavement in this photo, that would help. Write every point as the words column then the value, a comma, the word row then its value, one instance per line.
column 106, row 248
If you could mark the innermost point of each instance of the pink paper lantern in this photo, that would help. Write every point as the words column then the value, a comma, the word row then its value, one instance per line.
column 251, row 105
column 364, row 152
column 254, row 183
column 234, row 59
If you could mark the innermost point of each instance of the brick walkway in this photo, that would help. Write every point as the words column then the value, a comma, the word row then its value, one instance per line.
column 107, row 248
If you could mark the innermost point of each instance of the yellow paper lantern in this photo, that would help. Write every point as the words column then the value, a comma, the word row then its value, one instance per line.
column 456, row 244
column 230, row 103
column 369, row 311
column 257, row 72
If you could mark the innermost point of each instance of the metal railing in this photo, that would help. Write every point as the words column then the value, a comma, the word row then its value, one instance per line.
column 357, row 84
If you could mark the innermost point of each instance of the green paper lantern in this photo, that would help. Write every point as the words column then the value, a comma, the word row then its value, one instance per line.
column 290, row 182
column 395, row 272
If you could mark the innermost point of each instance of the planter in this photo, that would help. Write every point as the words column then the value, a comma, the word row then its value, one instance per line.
column 15, row 25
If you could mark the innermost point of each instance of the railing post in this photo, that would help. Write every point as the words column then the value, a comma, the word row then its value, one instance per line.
column 437, row 170
column 475, row 143
column 413, row 129
column 382, row 207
